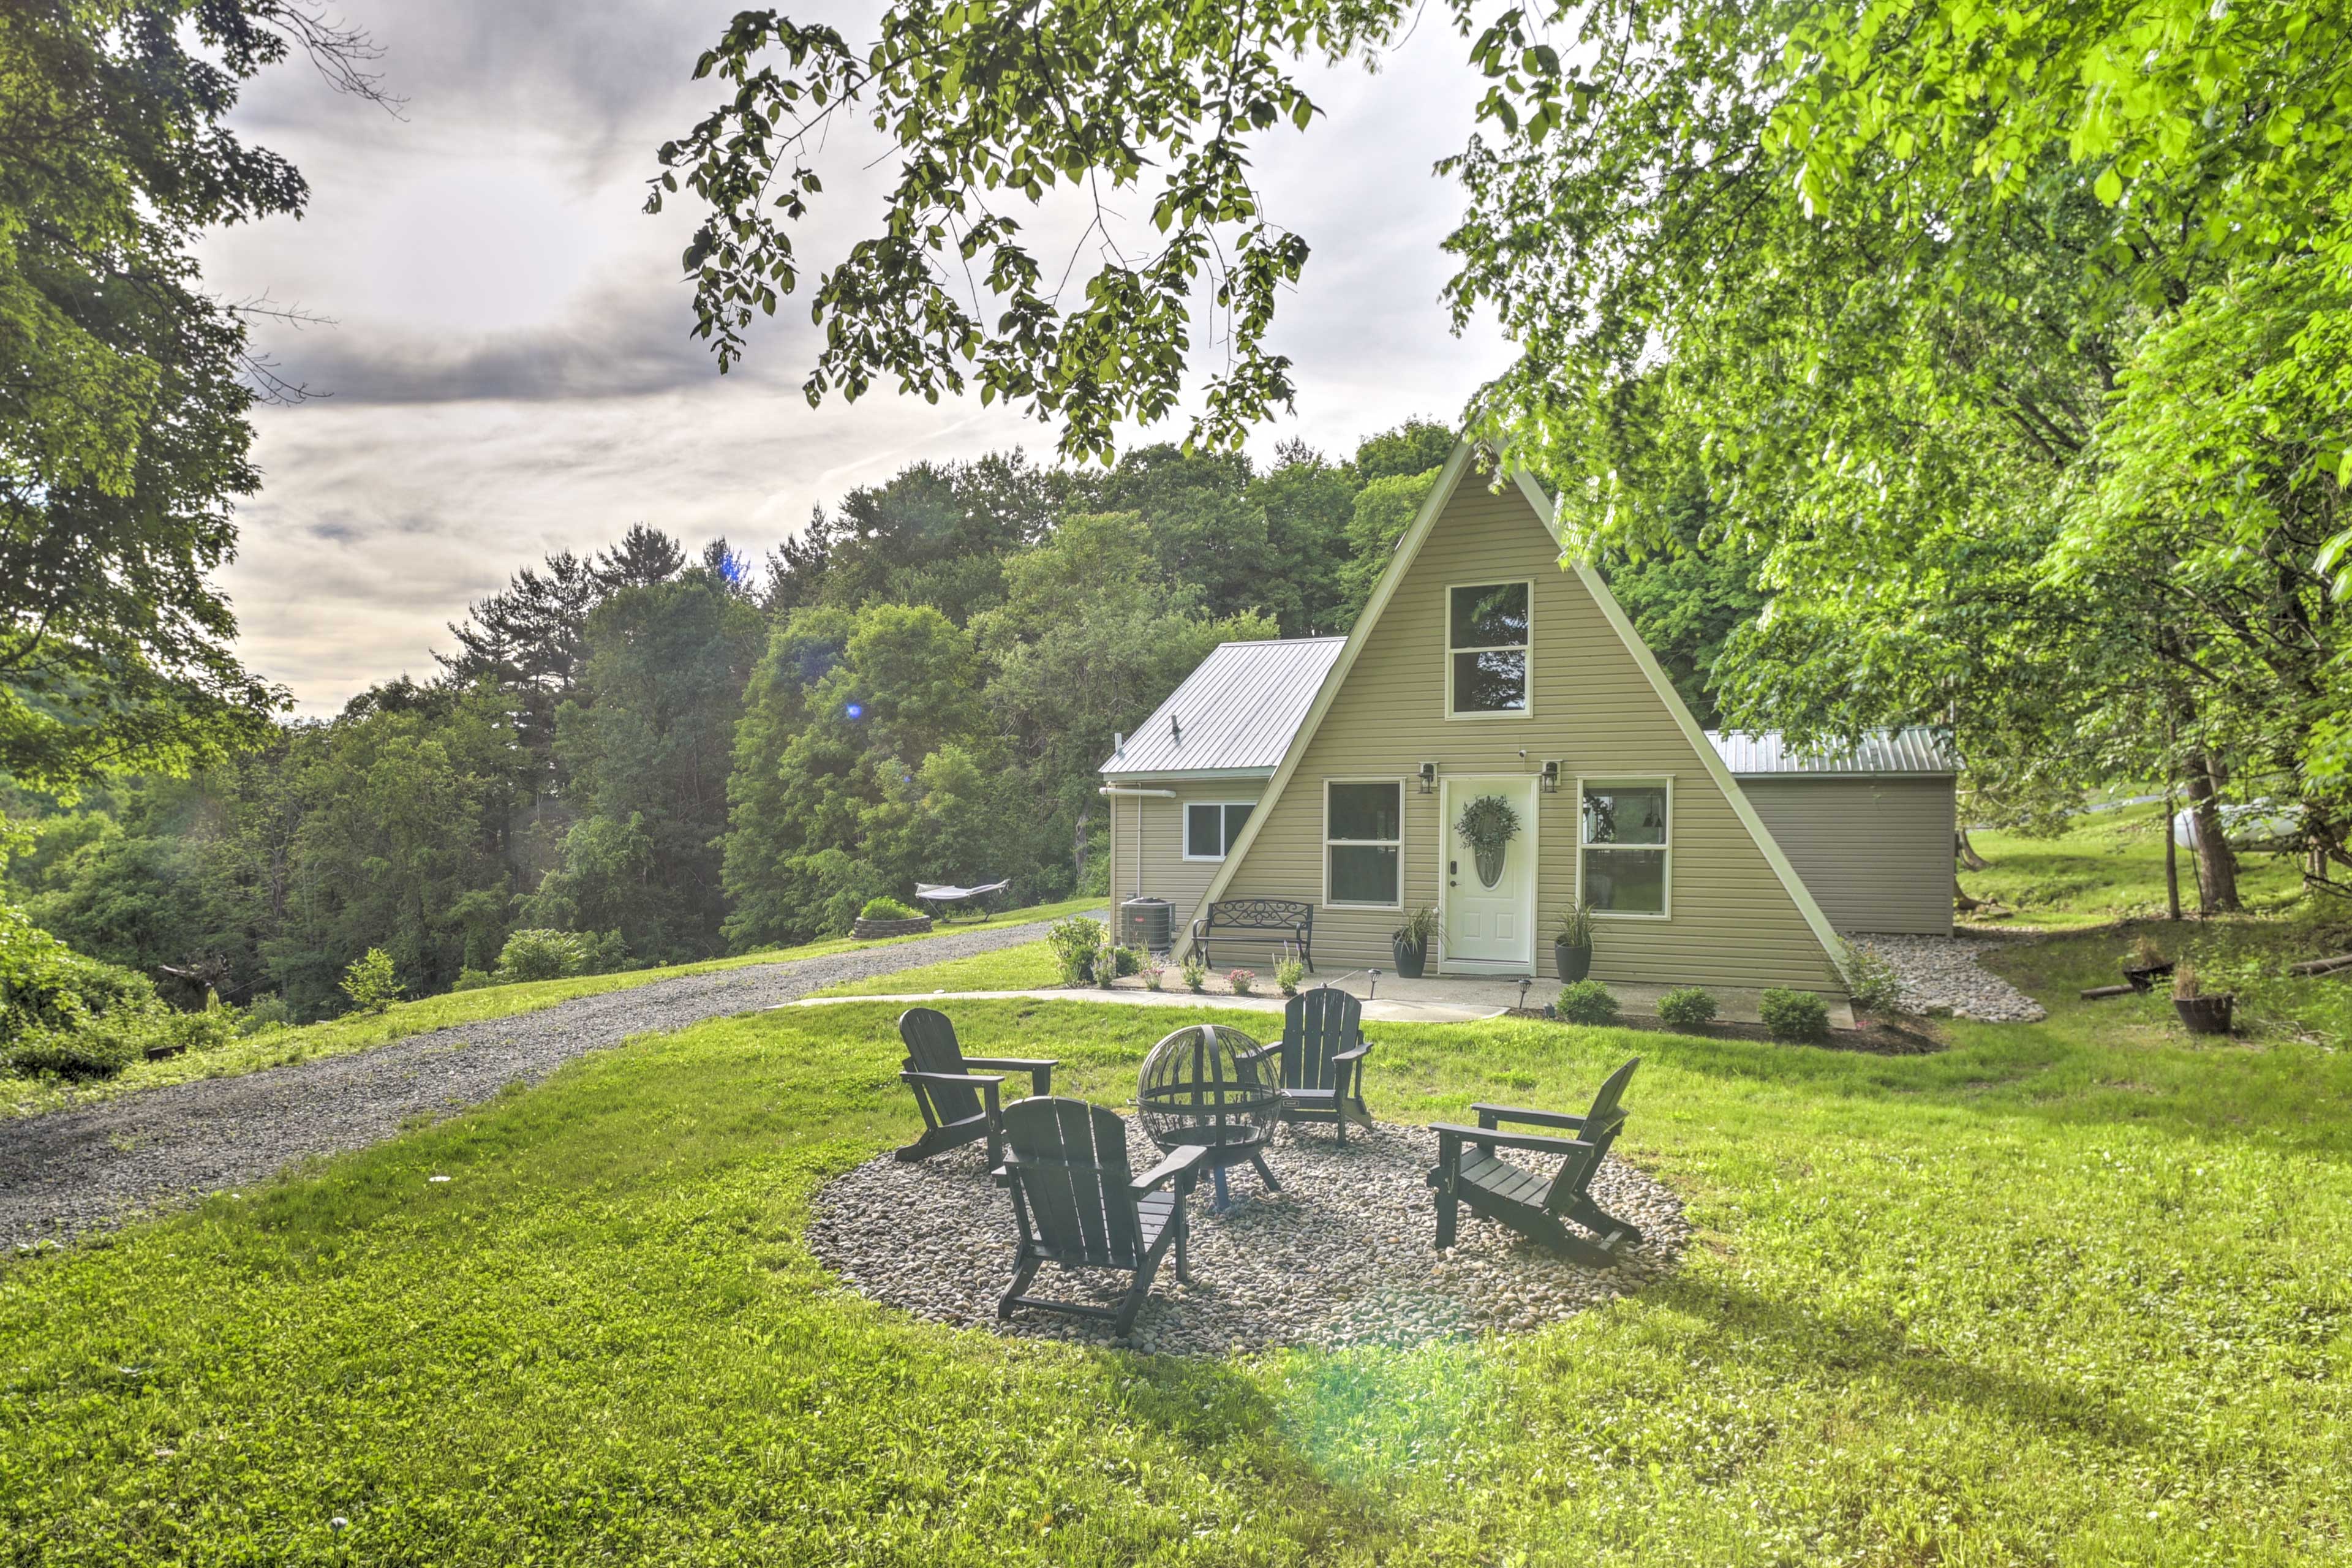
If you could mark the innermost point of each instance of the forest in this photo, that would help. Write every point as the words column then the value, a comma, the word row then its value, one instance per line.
column 686, row 752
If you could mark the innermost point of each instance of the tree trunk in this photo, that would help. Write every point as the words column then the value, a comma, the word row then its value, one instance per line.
column 1961, row 899
column 2171, row 861
column 2217, row 866
column 1966, row 852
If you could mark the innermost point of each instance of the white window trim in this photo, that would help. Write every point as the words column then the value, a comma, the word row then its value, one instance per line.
column 1224, row 828
column 1622, row 781
column 1529, row 709
column 1329, row 843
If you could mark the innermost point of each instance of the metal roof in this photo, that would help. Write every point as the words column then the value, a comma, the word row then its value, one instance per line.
column 1878, row 754
column 1234, row 715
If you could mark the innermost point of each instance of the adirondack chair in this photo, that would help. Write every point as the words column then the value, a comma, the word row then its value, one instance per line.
column 1319, row 1060
column 958, row 1104
column 1533, row 1204
column 1079, row 1204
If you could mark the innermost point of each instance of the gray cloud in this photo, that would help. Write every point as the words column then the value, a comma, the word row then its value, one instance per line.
column 511, row 370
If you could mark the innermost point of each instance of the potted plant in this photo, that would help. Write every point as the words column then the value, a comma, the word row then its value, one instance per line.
column 1572, row 950
column 2146, row 964
column 1488, row 825
column 2200, row 1013
column 1412, row 940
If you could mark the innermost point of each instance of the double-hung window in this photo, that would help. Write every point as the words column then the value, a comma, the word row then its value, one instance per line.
column 1628, row 846
column 1486, row 636
column 1363, row 843
column 1212, row 828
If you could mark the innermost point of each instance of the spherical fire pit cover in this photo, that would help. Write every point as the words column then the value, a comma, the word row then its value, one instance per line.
column 1201, row 1085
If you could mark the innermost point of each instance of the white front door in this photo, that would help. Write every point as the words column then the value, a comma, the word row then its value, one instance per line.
column 1490, row 926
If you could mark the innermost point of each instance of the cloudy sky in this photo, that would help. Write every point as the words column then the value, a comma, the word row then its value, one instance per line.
column 507, row 371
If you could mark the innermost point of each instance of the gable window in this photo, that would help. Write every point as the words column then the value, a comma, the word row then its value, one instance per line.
column 1628, row 846
column 1486, row 626
column 1212, row 828
column 1363, row 843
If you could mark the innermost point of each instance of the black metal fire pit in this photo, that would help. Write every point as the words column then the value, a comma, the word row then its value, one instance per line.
column 1202, row 1086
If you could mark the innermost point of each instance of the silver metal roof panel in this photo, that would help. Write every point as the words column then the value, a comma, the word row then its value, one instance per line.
column 1234, row 715
column 1879, row 753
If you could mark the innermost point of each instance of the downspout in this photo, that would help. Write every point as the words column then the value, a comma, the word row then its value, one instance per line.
column 1117, row 793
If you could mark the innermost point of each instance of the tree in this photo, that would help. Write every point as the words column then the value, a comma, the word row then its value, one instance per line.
column 667, row 660
column 123, row 439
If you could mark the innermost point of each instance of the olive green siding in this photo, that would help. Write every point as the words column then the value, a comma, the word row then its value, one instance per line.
column 1593, row 710
column 1166, row 873
column 1876, row 853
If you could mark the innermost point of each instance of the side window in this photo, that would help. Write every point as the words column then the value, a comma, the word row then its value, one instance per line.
column 1212, row 827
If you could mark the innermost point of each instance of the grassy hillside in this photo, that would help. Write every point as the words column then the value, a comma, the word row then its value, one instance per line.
column 2108, row 866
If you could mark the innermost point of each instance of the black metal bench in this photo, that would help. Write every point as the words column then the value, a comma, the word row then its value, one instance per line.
column 1292, row 919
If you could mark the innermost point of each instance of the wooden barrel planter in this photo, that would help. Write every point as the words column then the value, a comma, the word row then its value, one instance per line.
column 865, row 929
column 2141, row 979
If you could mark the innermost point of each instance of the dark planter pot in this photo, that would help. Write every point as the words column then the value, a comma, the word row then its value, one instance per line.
column 2142, row 979
column 865, row 929
column 1410, row 959
column 1575, row 963
column 2204, row 1015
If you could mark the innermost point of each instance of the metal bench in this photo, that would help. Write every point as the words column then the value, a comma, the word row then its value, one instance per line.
column 1292, row 919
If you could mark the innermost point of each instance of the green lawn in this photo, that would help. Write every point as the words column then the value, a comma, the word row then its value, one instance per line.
column 2108, row 866
column 2068, row 1293
column 275, row 1048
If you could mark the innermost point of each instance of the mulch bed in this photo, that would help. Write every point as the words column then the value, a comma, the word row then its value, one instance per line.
column 1880, row 1036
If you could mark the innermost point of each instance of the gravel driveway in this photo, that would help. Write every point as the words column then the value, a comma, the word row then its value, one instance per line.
column 72, row 1170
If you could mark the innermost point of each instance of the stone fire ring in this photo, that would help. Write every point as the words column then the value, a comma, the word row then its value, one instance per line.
column 1342, row 1256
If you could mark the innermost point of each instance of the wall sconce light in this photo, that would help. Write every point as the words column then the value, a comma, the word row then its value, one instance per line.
column 1551, row 778
column 1428, row 778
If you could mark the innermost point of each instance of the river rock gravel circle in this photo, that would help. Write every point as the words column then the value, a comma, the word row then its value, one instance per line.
column 1342, row 1256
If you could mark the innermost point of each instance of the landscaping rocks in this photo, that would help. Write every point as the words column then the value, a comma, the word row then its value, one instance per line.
column 1341, row 1256
column 75, row 1170
column 1940, row 973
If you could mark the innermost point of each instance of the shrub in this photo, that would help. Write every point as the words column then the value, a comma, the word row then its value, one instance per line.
column 70, row 1017
column 1126, row 961
column 536, row 953
column 888, row 909
column 1870, row 980
column 1240, row 980
column 1588, row 1002
column 1076, row 942
column 1687, row 1008
column 370, row 982
column 1155, row 976
column 472, row 980
column 1196, row 976
column 92, row 1048
column 1287, row 975
column 266, row 1013
column 1795, row 1015
column 600, row 952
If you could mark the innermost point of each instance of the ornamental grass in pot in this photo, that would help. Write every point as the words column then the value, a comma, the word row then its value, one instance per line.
column 1410, row 943
column 2200, row 1013
column 2146, row 964
column 1572, row 947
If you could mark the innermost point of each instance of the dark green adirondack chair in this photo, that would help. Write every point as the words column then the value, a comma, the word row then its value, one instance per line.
column 1533, row 1204
column 1319, row 1060
column 958, row 1104
column 1079, row 1204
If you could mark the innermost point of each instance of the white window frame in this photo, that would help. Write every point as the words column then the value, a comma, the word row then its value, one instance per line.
column 1331, row 843
column 1666, row 849
column 1525, row 711
column 1225, row 828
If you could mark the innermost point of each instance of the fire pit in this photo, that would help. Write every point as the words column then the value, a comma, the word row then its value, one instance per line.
column 1202, row 1087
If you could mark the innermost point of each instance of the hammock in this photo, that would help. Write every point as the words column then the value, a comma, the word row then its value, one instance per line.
column 931, row 893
